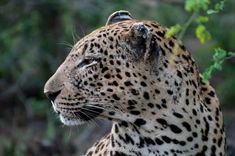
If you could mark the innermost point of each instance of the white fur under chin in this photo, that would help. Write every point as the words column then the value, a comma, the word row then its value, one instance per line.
column 70, row 121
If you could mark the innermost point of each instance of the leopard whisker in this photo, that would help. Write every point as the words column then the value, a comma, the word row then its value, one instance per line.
column 89, row 116
column 106, row 108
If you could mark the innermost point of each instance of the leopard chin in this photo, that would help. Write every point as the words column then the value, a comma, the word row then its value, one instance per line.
column 71, row 121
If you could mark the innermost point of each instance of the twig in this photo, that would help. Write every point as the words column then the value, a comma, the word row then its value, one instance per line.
column 186, row 25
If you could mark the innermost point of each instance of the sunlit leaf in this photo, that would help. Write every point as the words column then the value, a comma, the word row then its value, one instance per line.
column 202, row 34
column 196, row 5
column 172, row 31
column 203, row 19
column 189, row 5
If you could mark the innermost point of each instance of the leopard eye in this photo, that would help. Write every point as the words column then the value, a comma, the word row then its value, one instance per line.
column 88, row 62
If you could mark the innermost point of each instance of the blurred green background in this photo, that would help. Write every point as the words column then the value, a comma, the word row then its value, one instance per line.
column 36, row 36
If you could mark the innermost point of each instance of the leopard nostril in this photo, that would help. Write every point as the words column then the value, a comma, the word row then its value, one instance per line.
column 52, row 95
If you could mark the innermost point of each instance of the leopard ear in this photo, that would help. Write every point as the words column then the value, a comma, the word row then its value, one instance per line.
column 137, row 37
column 118, row 16
column 142, row 42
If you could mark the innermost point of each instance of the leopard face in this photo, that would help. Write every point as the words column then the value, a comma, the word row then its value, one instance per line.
column 130, row 73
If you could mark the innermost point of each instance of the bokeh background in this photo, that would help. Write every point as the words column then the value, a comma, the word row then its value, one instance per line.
column 35, row 37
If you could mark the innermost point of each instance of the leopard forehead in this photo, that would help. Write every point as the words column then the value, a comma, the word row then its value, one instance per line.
column 110, row 36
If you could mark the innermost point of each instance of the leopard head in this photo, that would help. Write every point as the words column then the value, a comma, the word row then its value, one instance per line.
column 117, row 72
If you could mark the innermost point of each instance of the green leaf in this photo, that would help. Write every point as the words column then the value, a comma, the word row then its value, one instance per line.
column 219, row 55
column 217, row 8
column 218, row 58
column 173, row 30
column 217, row 66
column 189, row 5
column 207, row 74
column 211, row 11
column 196, row 5
column 202, row 19
column 202, row 34
column 231, row 54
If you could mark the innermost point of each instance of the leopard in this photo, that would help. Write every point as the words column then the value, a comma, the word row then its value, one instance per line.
column 146, row 83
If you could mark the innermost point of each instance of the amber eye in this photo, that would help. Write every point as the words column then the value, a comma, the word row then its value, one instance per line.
column 88, row 62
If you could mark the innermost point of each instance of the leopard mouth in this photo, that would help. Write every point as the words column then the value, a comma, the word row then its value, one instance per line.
column 83, row 115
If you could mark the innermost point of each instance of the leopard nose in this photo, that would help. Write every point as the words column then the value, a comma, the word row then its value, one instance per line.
column 52, row 95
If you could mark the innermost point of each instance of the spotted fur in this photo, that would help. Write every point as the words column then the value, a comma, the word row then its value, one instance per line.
column 147, row 84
